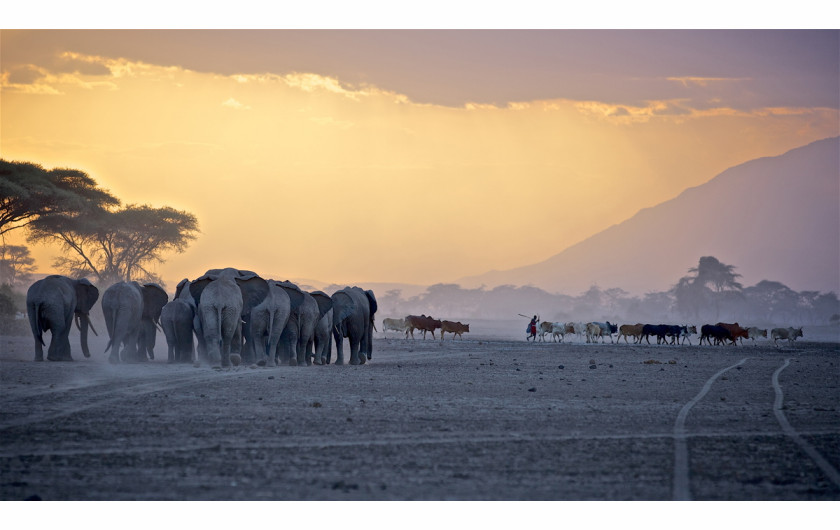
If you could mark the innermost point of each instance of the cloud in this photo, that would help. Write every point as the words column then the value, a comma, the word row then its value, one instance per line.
column 705, row 81
column 233, row 104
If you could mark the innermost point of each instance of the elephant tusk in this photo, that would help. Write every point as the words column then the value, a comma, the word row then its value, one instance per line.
column 90, row 323
column 76, row 320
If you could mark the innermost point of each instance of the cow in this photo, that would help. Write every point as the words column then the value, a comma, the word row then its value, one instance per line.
column 421, row 323
column 600, row 329
column 576, row 328
column 394, row 324
column 453, row 327
column 754, row 333
column 720, row 334
column 735, row 330
column 660, row 330
column 559, row 329
column 785, row 333
column 554, row 328
column 630, row 330
column 686, row 333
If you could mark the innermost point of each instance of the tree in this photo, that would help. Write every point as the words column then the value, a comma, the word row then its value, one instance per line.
column 28, row 192
column 711, row 271
column 712, row 279
column 117, row 245
column 16, row 265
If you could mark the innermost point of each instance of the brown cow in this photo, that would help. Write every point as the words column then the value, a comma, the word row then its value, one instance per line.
column 630, row 330
column 421, row 323
column 453, row 327
column 735, row 331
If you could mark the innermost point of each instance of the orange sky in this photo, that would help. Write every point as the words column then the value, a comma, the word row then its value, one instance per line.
column 301, row 175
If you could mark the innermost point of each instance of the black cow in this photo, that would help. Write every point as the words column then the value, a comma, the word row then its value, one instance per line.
column 719, row 333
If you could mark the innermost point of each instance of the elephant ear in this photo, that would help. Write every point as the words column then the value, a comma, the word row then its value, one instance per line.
column 154, row 298
column 345, row 304
column 324, row 302
column 86, row 295
column 294, row 292
column 372, row 301
column 197, row 287
column 180, row 289
column 254, row 290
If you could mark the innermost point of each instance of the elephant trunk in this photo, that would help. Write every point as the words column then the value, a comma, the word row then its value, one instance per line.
column 84, row 321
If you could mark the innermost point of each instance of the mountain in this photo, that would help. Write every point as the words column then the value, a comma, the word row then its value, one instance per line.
column 774, row 218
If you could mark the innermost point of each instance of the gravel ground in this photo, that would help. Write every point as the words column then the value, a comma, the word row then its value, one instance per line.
column 475, row 419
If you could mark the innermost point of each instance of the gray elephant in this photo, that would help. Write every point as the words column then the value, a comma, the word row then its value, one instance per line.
column 176, row 319
column 223, row 298
column 129, row 310
column 51, row 304
column 299, row 334
column 323, row 329
column 353, row 313
column 154, row 298
column 267, row 322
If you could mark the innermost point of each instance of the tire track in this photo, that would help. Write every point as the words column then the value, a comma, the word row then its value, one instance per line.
column 682, row 492
column 823, row 464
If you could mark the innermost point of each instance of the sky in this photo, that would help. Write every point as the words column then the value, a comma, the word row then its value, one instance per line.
column 414, row 156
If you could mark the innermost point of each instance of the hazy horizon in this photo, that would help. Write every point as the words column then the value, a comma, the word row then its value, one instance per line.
column 415, row 157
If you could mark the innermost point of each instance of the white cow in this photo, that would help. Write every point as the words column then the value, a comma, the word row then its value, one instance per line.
column 550, row 327
column 394, row 324
column 785, row 333
column 754, row 333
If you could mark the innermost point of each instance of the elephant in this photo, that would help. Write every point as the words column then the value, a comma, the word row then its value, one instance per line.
column 268, row 320
column 176, row 319
column 353, row 313
column 223, row 298
column 299, row 334
column 154, row 298
column 323, row 329
column 51, row 304
column 130, row 310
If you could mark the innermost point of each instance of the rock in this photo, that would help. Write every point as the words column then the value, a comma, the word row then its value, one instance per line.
column 591, row 361
column 560, row 367
column 593, row 366
column 533, row 389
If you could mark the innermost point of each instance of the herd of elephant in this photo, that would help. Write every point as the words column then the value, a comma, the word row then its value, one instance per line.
column 235, row 316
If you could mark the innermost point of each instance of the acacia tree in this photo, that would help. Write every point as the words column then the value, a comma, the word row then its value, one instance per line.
column 712, row 280
column 16, row 265
column 28, row 192
column 118, row 245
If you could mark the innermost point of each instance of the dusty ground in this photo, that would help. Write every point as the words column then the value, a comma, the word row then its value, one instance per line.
column 480, row 419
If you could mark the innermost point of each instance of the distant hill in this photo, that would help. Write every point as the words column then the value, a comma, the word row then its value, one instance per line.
column 775, row 218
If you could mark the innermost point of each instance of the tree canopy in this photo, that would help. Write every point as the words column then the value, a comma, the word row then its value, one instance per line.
column 16, row 265
column 28, row 192
column 116, row 245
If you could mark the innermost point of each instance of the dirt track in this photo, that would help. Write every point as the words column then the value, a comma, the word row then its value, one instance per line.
column 470, row 420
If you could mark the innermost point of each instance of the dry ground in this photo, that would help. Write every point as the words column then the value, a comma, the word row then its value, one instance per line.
column 485, row 418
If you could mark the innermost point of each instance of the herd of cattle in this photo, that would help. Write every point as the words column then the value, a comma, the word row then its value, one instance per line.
column 424, row 324
column 717, row 334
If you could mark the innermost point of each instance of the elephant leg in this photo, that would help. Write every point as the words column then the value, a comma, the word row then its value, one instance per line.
column 339, row 348
column 39, row 349
column 355, row 358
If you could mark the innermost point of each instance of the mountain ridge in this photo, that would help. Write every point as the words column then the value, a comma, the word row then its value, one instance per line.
column 761, row 190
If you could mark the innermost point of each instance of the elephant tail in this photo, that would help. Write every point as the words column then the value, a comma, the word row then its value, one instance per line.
column 35, row 322
column 113, row 327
